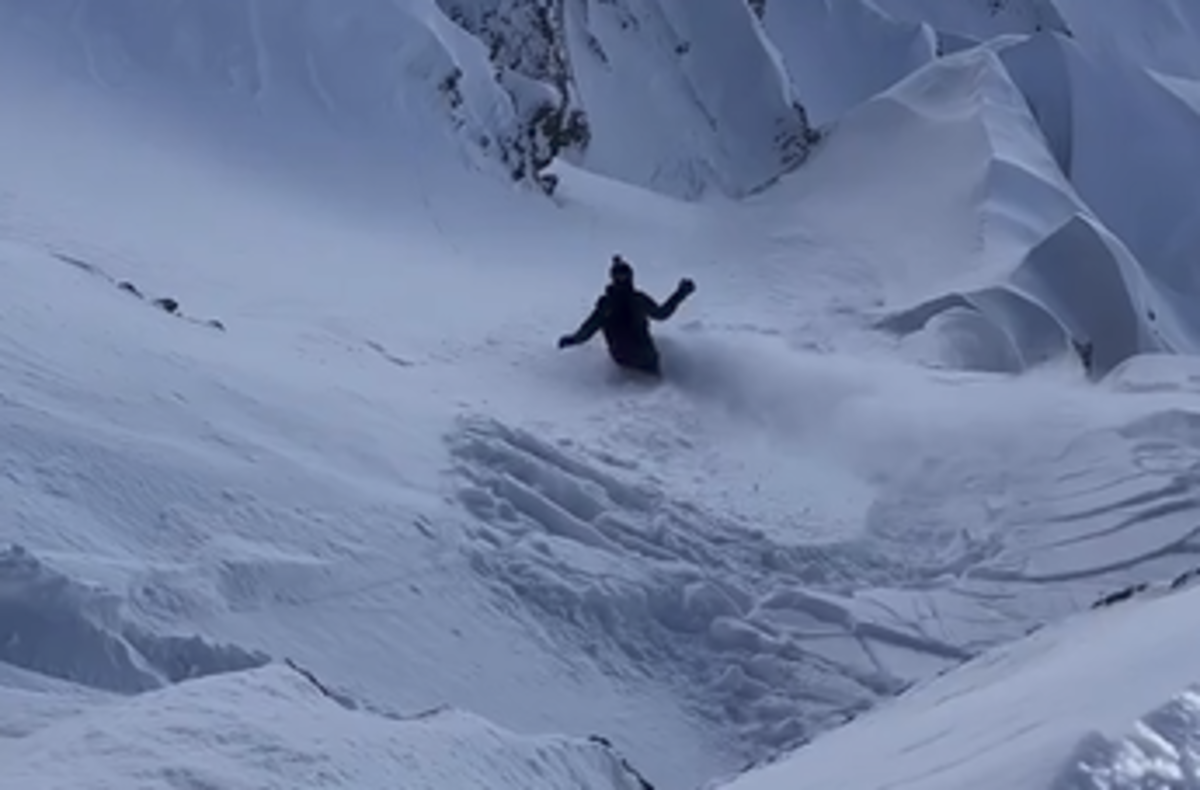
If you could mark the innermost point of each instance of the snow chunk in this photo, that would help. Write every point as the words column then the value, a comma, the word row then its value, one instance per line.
column 61, row 628
column 1159, row 752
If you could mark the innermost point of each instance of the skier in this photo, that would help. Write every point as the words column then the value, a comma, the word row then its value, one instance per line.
column 623, row 313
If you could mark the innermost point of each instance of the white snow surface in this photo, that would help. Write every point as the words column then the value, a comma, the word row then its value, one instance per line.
column 1057, row 710
column 347, row 518
column 820, row 38
column 682, row 96
column 272, row 729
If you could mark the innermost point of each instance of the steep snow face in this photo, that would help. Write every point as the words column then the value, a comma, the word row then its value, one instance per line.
column 822, row 44
column 1127, row 170
column 718, row 110
column 1040, row 168
column 1091, row 105
column 960, row 132
column 1108, row 700
column 1160, row 36
column 694, row 127
column 979, row 19
column 398, row 75
column 216, row 67
column 527, row 47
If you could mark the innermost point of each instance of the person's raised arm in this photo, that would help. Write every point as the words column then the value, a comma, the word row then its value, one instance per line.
column 661, row 312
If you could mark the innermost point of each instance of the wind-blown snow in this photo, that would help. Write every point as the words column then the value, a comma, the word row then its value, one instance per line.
column 278, row 382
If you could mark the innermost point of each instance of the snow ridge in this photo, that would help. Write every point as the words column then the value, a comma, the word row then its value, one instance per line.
column 273, row 728
column 60, row 628
column 391, row 74
column 1052, row 205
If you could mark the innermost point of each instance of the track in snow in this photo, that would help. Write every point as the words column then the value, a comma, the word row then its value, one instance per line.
column 783, row 638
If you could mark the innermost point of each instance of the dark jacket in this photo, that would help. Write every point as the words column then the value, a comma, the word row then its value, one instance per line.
column 624, row 314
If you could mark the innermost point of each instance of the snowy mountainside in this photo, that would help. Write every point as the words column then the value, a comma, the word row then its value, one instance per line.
column 822, row 44
column 718, row 112
column 352, row 443
column 980, row 20
column 570, row 84
column 311, row 65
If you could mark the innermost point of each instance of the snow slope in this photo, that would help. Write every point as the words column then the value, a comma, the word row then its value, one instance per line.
column 697, row 121
column 979, row 20
column 353, row 444
column 822, row 41
column 1159, row 36
column 718, row 113
column 273, row 728
column 1106, row 700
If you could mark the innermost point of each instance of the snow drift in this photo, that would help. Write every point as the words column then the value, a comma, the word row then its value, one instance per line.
column 822, row 42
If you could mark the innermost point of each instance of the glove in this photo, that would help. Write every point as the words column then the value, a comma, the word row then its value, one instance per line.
column 565, row 341
column 686, row 286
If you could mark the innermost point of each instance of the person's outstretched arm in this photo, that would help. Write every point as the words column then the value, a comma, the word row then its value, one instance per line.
column 590, row 326
column 661, row 312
